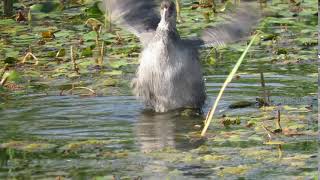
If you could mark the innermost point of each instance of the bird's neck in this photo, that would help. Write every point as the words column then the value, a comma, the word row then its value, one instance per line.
column 167, row 30
column 166, row 26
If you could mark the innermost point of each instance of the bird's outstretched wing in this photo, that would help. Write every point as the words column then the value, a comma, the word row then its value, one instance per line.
column 236, row 26
column 138, row 16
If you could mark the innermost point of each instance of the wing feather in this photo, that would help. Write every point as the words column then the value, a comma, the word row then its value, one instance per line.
column 237, row 26
column 138, row 16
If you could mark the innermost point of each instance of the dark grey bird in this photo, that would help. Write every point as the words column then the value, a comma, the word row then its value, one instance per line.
column 169, row 75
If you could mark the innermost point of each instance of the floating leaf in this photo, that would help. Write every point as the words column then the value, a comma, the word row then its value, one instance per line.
column 13, row 76
column 239, row 170
column 87, row 52
column 241, row 104
column 273, row 143
column 47, row 35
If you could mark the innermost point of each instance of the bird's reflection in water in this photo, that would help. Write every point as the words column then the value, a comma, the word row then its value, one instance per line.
column 156, row 131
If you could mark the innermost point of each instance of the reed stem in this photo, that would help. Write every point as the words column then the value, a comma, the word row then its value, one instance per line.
column 228, row 80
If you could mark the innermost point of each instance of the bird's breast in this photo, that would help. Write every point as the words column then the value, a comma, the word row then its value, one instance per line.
column 156, row 53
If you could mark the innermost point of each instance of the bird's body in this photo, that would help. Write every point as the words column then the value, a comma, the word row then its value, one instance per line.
column 169, row 75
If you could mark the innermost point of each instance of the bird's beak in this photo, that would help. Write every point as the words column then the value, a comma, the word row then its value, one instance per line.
column 165, row 14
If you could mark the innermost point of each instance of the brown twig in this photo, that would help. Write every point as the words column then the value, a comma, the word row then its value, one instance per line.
column 96, row 26
column 5, row 68
column 119, row 38
column 73, row 59
column 30, row 18
column 29, row 54
column 110, row 22
column 278, row 125
column 265, row 92
column 3, row 81
column 279, row 151
column 98, row 32
column 70, row 91
column 269, row 132
column 102, row 52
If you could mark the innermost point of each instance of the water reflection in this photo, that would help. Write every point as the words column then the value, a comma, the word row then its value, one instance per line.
column 156, row 131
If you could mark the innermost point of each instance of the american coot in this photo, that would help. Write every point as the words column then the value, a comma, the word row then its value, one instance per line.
column 169, row 75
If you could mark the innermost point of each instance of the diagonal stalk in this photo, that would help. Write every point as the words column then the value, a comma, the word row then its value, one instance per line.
column 228, row 80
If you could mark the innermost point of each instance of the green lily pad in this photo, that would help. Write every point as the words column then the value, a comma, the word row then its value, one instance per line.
column 118, row 63
column 13, row 76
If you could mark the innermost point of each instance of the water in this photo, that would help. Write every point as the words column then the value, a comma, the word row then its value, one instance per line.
column 142, row 143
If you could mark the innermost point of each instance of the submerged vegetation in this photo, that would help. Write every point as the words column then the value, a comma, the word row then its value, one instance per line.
column 66, row 109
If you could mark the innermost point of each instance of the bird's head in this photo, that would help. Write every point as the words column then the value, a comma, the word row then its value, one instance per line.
column 168, row 11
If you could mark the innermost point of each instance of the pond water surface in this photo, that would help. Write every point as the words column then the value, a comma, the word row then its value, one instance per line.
column 111, row 136
column 120, row 138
